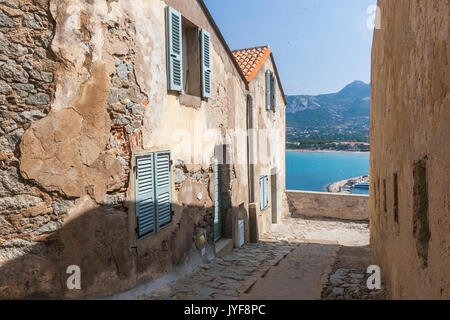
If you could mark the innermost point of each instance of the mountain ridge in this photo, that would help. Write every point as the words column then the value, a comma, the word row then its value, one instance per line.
column 340, row 116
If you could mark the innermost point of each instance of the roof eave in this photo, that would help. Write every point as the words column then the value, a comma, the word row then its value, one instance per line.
column 279, row 79
column 222, row 40
column 258, row 67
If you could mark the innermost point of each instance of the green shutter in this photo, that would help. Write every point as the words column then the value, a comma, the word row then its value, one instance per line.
column 266, row 193
column 261, row 193
column 263, row 198
column 144, row 194
column 205, row 39
column 268, row 85
column 163, row 190
column 174, row 40
column 273, row 88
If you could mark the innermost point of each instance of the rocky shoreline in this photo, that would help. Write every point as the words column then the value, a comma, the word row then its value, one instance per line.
column 343, row 185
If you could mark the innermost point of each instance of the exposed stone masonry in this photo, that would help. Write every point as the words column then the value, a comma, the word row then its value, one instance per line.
column 28, row 212
column 126, row 107
column 185, row 178
column 27, row 88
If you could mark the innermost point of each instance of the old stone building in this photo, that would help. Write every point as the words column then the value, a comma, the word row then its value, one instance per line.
column 266, row 138
column 132, row 140
column 409, row 169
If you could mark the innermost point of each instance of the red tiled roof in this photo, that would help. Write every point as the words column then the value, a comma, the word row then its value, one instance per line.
column 251, row 60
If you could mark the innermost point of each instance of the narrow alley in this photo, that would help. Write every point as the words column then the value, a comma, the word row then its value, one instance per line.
column 300, row 259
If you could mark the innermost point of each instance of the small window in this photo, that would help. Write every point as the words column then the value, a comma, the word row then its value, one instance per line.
column 264, row 201
column 153, row 193
column 191, row 59
column 273, row 89
column 189, row 68
column 268, row 89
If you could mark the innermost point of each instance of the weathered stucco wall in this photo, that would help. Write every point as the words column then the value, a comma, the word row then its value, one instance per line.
column 83, row 88
column 329, row 205
column 409, row 166
column 268, row 146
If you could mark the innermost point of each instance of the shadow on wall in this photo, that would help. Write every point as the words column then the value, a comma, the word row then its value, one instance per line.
column 101, row 241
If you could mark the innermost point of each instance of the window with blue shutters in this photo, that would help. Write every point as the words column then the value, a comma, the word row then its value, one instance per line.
column 145, row 195
column 189, row 68
column 273, row 89
column 153, row 193
column 263, row 198
column 163, row 190
column 205, row 40
column 268, row 89
column 174, row 41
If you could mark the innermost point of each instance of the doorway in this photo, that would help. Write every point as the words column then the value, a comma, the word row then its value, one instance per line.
column 274, row 195
column 217, row 211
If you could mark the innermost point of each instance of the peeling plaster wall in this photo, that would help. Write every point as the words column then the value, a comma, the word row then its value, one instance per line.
column 89, row 91
column 409, row 165
column 270, row 150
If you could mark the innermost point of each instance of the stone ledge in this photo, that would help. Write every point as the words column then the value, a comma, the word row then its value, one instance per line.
column 328, row 194
column 330, row 205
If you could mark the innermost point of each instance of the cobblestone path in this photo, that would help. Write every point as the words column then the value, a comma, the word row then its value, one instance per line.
column 226, row 278
column 348, row 278
column 300, row 259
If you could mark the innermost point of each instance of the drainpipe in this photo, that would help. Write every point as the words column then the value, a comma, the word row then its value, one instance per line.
column 250, row 158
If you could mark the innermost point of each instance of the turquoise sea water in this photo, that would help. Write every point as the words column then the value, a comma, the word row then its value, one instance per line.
column 313, row 171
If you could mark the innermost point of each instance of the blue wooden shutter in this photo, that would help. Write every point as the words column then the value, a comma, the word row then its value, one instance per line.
column 263, row 198
column 144, row 194
column 174, row 49
column 163, row 190
column 268, row 85
column 266, row 197
column 261, row 194
column 205, row 39
column 273, row 88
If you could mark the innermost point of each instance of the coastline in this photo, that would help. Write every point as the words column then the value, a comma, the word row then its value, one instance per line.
column 338, row 186
column 324, row 151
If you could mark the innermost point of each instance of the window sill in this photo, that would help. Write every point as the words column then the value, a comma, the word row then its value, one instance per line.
column 262, row 210
column 190, row 101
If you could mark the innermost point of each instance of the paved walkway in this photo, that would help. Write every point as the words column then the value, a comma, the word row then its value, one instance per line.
column 294, row 261
column 226, row 278
column 348, row 278
column 300, row 276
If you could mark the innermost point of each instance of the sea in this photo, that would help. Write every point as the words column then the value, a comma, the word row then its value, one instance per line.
column 314, row 171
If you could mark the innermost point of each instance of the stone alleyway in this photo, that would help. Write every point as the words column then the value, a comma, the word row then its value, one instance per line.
column 295, row 261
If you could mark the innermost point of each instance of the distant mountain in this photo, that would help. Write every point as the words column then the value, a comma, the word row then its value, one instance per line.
column 339, row 116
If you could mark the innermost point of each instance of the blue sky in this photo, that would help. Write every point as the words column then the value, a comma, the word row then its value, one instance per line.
column 319, row 45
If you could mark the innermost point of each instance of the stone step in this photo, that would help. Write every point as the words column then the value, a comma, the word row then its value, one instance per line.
column 223, row 247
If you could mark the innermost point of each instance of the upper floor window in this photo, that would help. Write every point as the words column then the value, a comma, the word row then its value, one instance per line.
column 188, row 56
column 191, row 59
column 271, row 91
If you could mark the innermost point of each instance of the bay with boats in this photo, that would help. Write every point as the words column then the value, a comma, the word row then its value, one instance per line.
column 345, row 172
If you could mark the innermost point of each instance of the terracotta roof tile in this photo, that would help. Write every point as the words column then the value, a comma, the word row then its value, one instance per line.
column 251, row 60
